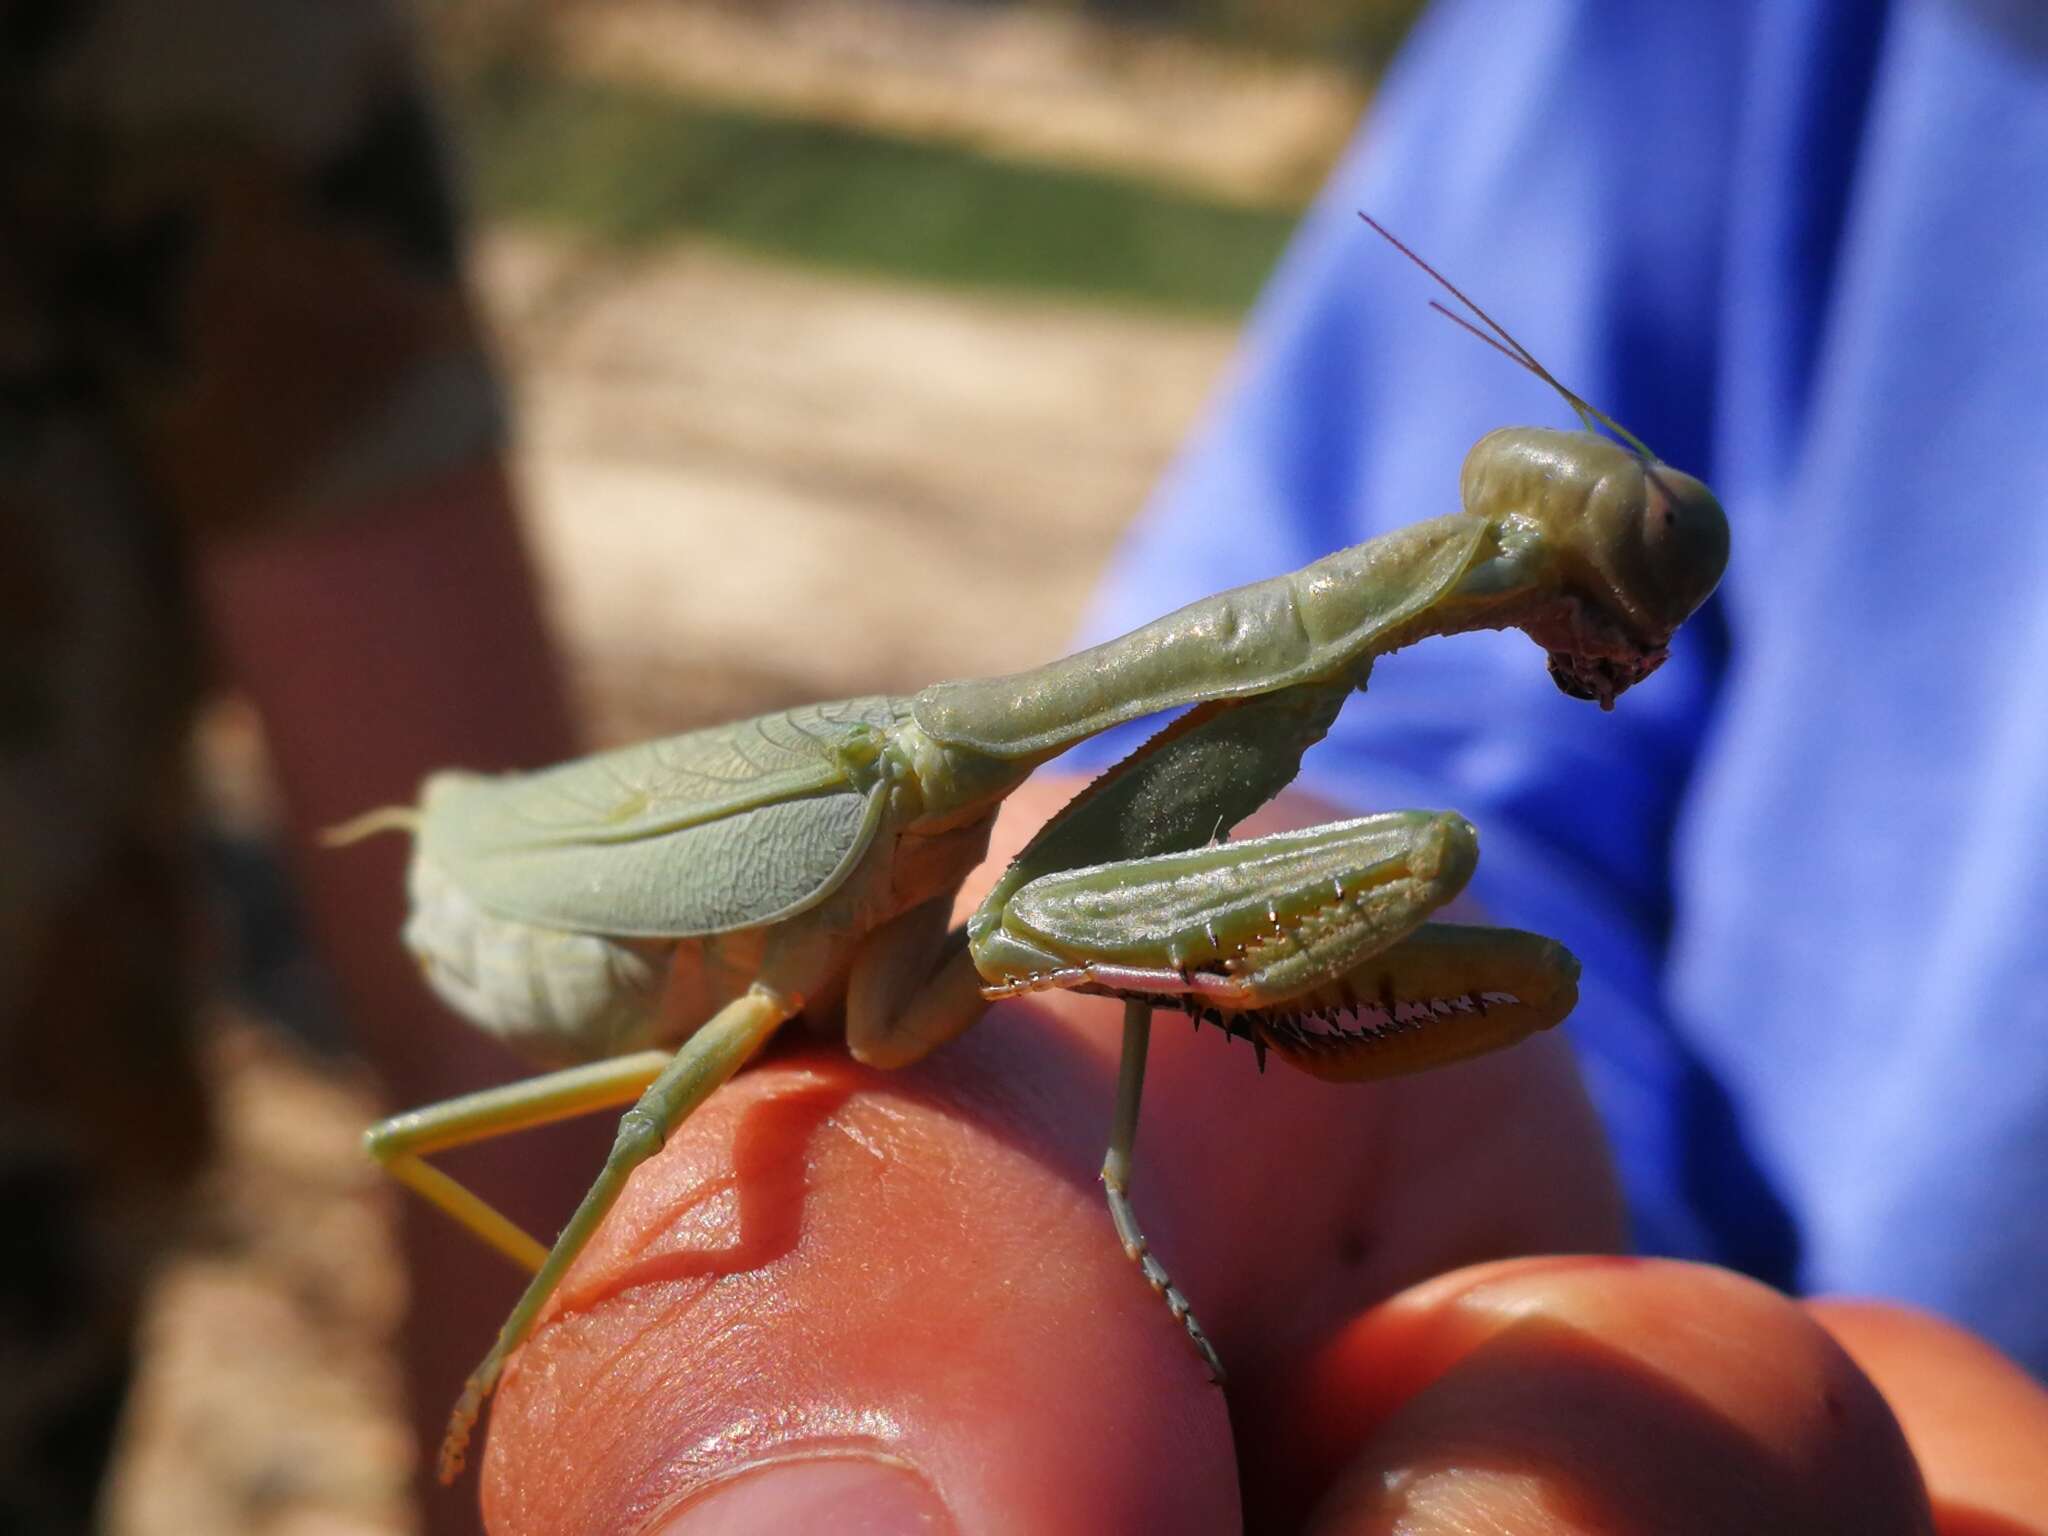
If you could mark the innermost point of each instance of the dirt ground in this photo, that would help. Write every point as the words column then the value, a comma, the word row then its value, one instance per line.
column 747, row 486
column 753, row 485
column 1023, row 82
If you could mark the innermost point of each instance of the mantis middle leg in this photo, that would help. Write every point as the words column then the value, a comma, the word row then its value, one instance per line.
column 1185, row 787
column 1116, row 1179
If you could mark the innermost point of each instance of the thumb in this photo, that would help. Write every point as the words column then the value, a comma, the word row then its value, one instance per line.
column 848, row 1300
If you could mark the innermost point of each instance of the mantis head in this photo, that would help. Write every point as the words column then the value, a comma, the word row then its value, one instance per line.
column 1635, row 546
column 1632, row 546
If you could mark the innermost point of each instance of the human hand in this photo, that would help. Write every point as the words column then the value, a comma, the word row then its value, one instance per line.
column 850, row 1300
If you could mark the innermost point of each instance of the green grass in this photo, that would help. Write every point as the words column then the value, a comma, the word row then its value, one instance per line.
column 632, row 166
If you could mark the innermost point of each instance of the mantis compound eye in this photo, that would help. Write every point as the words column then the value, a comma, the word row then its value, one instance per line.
column 1683, row 544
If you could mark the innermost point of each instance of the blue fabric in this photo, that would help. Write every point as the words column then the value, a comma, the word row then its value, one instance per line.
column 1802, row 250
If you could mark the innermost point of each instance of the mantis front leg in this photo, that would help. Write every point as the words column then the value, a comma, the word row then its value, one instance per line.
column 1312, row 944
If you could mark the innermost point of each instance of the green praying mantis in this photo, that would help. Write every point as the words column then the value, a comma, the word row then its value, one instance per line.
column 645, row 919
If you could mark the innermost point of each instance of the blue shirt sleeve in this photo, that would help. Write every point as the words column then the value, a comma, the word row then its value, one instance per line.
column 1802, row 252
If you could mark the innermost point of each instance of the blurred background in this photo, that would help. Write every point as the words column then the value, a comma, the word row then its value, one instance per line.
column 844, row 337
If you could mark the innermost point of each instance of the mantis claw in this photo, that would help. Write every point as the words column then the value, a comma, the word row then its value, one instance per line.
column 1116, row 1166
column 454, row 1454
column 1139, row 1252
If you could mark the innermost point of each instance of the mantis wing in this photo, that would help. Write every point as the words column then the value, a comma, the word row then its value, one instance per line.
column 732, row 827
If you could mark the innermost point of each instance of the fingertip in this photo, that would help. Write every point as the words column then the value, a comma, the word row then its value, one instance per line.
column 1344, row 1392
column 1605, row 1395
column 862, row 1288
column 1977, row 1422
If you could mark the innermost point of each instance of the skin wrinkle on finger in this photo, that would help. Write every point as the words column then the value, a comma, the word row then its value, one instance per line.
column 873, row 1146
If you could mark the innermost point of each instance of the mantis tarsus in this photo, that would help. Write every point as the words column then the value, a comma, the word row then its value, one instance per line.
column 645, row 919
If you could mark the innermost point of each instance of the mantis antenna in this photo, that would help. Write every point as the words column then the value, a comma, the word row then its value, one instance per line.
column 1590, row 416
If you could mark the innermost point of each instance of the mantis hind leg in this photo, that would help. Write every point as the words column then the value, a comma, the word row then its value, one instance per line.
column 912, row 988
column 1116, row 1180
column 706, row 1060
column 404, row 1142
